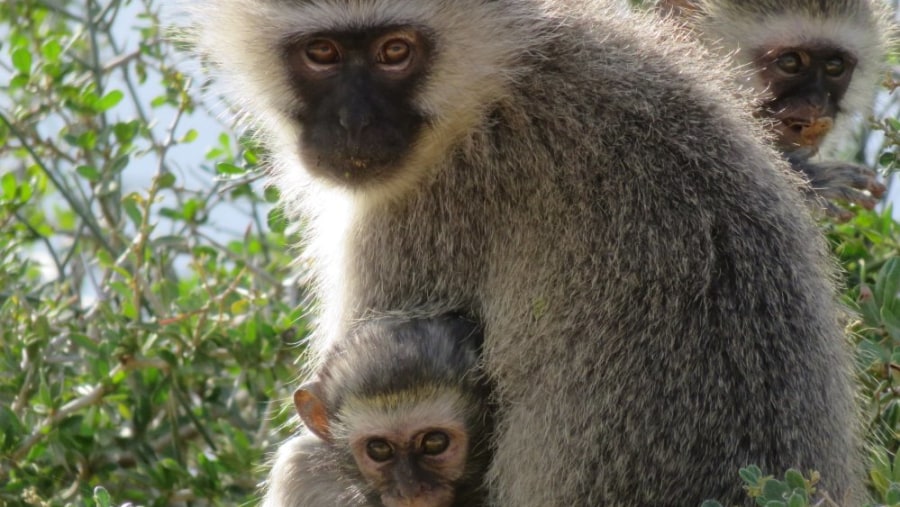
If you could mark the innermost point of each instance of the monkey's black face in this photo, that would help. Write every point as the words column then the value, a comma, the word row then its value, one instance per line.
column 807, row 85
column 358, row 120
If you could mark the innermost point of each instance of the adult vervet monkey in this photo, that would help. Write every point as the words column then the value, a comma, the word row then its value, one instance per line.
column 400, row 417
column 657, row 303
column 813, row 65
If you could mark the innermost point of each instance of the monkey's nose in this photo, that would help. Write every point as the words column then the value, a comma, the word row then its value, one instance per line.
column 354, row 120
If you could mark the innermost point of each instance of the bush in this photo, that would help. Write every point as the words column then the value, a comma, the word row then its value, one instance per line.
column 148, row 323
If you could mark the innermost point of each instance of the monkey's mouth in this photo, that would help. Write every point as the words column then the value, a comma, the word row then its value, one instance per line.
column 803, row 133
column 350, row 170
column 439, row 497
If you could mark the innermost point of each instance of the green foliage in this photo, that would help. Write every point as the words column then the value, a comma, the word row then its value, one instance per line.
column 794, row 491
column 144, row 343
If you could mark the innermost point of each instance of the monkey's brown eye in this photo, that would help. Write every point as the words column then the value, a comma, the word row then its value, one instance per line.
column 834, row 66
column 323, row 52
column 394, row 52
column 789, row 62
column 379, row 450
column 435, row 443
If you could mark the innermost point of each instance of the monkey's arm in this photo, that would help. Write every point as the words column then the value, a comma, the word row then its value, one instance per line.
column 307, row 473
column 844, row 182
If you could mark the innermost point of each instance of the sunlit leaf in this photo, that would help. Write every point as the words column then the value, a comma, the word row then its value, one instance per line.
column 21, row 59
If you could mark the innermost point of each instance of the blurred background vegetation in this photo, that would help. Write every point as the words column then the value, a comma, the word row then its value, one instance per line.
column 150, row 317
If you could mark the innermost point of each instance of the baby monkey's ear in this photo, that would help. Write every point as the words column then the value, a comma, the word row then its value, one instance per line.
column 311, row 409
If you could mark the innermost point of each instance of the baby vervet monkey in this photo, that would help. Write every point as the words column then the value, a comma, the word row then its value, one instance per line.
column 399, row 418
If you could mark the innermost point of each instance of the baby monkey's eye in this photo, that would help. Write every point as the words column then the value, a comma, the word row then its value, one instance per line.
column 435, row 443
column 379, row 450
column 834, row 67
column 789, row 62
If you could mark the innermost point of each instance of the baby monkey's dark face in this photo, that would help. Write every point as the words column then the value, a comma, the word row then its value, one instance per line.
column 412, row 465
column 357, row 118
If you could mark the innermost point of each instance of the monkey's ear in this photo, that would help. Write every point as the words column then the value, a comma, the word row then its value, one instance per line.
column 311, row 410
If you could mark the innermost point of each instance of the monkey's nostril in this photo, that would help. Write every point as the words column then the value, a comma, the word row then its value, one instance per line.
column 354, row 121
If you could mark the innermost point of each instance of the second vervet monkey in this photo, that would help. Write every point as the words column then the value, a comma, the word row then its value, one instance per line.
column 812, row 65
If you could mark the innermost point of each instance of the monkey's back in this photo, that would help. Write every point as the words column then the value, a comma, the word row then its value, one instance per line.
column 657, row 303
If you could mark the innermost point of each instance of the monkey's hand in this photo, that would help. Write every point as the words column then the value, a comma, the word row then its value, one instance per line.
column 833, row 185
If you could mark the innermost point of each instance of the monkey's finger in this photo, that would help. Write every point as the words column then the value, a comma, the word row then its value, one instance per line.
column 876, row 188
column 835, row 212
column 842, row 174
column 848, row 195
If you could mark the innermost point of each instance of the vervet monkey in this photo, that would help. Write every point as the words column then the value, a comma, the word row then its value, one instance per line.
column 813, row 65
column 657, row 302
column 400, row 417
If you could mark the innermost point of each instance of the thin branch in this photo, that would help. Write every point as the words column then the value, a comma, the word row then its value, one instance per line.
column 76, row 206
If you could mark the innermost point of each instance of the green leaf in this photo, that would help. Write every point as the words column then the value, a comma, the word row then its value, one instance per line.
column 797, row 500
column 190, row 136
column 125, row 131
column 892, row 496
column 51, row 49
column 8, row 183
column 18, row 82
column 87, row 140
column 868, row 307
column 89, row 173
column 119, row 164
column 101, row 497
column 171, row 213
column 774, row 489
column 21, row 59
column 131, row 205
column 169, row 242
column 109, row 100
column 887, row 283
column 192, row 208
column 895, row 468
column 226, row 168
column 271, row 194
column 166, row 180
column 25, row 191
column 84, row 342
column 276, row 221
column 794, row 479
column 751, row 474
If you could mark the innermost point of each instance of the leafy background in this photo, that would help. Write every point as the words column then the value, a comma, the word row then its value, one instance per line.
column 150, row 317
